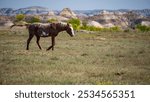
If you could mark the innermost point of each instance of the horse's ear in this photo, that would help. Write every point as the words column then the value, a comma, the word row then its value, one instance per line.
column 53, row 25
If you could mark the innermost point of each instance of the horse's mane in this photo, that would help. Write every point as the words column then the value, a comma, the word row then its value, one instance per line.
column 63, row 24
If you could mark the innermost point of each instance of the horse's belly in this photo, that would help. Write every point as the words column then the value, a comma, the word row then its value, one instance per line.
column 44, row 34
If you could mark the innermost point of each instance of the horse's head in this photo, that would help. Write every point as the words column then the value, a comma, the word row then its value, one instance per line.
column 63, row 27
column 69, row 30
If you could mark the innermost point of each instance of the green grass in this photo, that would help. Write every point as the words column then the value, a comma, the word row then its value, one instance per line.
column 98, row 58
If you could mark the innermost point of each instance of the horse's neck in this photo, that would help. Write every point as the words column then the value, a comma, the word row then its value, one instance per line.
column 61, row 28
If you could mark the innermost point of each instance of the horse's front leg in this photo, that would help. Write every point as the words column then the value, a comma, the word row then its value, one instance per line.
column 53, row 43
column 37, row 41
column 29, row 39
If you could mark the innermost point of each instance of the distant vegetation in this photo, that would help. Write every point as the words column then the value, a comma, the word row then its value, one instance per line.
column 77, row 24
column 20, row 17
column 143, row 28
column 52, row 20
column 23, row 18
column 34, row 19
column 92, row 28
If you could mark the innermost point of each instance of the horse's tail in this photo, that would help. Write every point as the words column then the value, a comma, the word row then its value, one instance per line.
column 12, row 26
column 20, row 25
column 27, row 26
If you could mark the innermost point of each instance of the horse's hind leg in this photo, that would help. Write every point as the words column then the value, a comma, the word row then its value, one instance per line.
column 49, row 48
column 28, row 41
column 37, row 41
column 53, row 42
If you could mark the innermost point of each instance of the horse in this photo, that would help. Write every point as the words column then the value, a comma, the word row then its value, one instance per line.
column 47, row 30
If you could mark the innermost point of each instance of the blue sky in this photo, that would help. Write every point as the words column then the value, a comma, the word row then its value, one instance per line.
column 77, row 4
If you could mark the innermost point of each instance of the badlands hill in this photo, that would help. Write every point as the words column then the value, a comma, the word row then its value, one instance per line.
column 97, row 18
column 66, row 12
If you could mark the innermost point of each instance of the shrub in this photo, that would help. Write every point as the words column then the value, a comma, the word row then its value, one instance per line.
column 143, row 28
column 127, row 30
column 52, row 20
column 75, row 23
column 20, row 17
column 116, row 28
column 90, row 28
column 34, row 19
column 84, row 23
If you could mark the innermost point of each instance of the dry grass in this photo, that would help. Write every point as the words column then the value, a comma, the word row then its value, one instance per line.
column 99, row 58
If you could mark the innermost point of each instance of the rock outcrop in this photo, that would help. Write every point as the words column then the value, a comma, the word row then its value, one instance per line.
column 95, row 24
column 50, row 13
column 97, row 18
column 66, row 12
column 6, row 23
column 145, row 23
column 110, row 19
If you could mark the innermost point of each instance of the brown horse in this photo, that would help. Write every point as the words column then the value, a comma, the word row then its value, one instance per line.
column 47, row 30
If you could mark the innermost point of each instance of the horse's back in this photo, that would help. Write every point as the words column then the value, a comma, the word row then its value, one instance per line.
column 38, row 29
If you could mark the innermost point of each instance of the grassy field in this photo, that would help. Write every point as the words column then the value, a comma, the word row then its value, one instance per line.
column 99, row 58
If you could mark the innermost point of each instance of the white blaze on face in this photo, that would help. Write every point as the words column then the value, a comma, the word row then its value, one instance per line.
column 72, row 31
